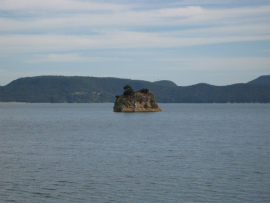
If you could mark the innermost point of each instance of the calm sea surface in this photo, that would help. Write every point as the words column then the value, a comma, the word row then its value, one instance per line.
column 88, row 153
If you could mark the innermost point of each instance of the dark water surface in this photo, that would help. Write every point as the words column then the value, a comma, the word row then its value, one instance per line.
column 87, row 153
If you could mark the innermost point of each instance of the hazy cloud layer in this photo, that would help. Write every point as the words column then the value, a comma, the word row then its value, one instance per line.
column 62, row 31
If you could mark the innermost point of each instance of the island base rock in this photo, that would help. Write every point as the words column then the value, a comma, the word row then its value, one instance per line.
column 139, row 102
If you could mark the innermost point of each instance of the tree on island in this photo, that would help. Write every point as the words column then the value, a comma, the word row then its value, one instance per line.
column 144, row 91
column 128, row 90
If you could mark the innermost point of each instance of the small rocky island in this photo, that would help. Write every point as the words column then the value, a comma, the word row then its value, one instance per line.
column 140, row 101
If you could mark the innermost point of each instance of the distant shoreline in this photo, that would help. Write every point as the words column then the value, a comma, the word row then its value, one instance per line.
column 112, row 103
column 13, row 102
column 56, row 89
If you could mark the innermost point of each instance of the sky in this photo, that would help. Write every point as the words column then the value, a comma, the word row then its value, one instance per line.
column 219, row 42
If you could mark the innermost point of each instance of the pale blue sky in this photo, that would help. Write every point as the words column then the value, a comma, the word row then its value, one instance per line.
column 185, row 41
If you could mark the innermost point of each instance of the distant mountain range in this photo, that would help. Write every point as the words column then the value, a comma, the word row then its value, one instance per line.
column 62, row 89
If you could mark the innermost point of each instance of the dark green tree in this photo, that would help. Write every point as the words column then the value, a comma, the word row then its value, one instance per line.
column 144, row 91
column 128, row 90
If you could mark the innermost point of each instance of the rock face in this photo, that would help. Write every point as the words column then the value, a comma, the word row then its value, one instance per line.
column 137, row 102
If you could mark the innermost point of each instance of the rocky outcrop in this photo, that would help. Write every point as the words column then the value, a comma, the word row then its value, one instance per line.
column 137, row 102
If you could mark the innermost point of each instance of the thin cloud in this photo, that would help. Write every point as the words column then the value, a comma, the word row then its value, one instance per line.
column 49, row 43
column 66, row 58
column 112, row 30
column 59, row 5
column 59, row 58
column 183, row 16
column 218, row 64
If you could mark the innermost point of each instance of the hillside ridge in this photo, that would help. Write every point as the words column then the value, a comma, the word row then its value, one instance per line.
column 78, row 89
column 262, row 80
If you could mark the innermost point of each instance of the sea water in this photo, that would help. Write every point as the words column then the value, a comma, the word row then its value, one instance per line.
column 88, row 153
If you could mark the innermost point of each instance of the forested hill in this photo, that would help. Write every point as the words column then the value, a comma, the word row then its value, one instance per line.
column 262, row 80
column 60, row 89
